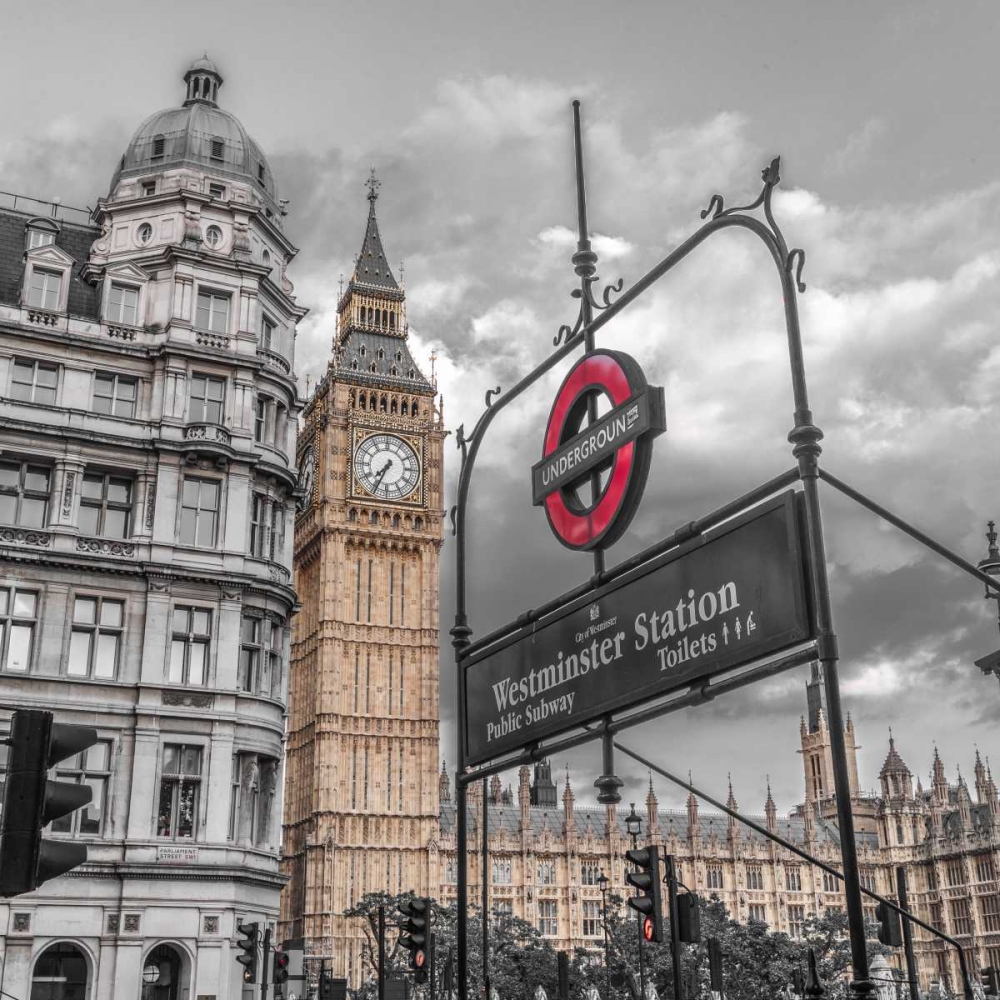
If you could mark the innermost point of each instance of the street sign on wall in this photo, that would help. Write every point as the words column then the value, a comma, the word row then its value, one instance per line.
column 726, row 598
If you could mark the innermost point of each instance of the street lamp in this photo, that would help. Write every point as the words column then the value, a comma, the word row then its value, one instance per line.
column 602, row 881
column 991, row 566
column 633, row 826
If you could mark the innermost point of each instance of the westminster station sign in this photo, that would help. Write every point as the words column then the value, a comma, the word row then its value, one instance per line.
column 726, row 598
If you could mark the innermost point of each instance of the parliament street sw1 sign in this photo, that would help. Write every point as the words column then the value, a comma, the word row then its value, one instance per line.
column 722, row 600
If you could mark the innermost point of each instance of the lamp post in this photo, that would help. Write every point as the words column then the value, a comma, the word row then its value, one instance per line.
column 633, row 826
column 602, row 881
column 991, row 565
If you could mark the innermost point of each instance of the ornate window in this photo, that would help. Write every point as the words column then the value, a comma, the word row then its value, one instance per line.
column 217, row 191
column 253, row 787
column 755, row 877
column 180, row 786
column 208, row 399
column 991, row 913
column 44, row 290
column 758, row 911
column 867, row 876
column 214, row 237
column 714, row 877
column 548, row 918
column 501, row 871
column 91, row 767
column 796, row 921
column 830, row 883
column 961, row 918
column 200, row 512
column 191, row 634
column 95, row 641
column 34, row 381
column 546, row 873
column 591, row 918
column 123, row 304
column 106, row 505
column 793, row 878
column 40, row 234
column 18, row 618
column 589, row 874
column 260, row 656
column 144, row 234
column 24, row 494
column 115, row 394
column 985, row 869
column 212, row 315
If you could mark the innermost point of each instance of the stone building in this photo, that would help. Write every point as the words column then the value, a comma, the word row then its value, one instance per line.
column 147, row 495
column 545, row 861
column 361, row 792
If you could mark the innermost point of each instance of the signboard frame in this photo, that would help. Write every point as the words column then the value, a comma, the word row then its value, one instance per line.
column 787, row 504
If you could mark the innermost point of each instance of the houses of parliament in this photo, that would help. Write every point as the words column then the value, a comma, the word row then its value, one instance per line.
column 366, row 809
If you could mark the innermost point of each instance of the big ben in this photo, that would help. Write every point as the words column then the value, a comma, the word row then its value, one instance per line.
column 361, row 783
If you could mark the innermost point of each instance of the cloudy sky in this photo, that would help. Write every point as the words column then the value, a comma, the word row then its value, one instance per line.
column 886, row 117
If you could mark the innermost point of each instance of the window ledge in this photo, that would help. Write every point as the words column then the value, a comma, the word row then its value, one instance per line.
column 43, row 317
column 119, row 332
column 273, row 360
column 216, row 340
column 207, row 433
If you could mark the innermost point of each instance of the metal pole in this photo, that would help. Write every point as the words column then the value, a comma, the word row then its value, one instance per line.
column 432, row 950
column 604, row 915
column 675, row 931
column 911, row 961
column 381, row 953
column 266, row 949
column 486, row 893
column 642, row 964
column 462, row 907
column 585, row 264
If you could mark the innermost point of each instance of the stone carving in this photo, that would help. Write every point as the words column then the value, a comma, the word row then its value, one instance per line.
column 132, row 923
column 207, row 432
column 20, row 536
column 105, row 547
column 67, row 499
column 122, row 332
column 114, row 923
column 187, row 699
column 150, row 505
column 43, row 318
column 210, row 925
column 22, row 923
column 212, row 340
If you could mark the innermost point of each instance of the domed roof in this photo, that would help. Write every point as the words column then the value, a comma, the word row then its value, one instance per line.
column 200, row 134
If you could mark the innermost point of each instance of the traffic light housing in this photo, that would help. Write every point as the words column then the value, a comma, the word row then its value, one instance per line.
column 248, row 950
column 280, row 973
column 889, row 930
column 31, row 801
column 991, row 981
column 649, row 902
column 414, row 929
column 688, row 918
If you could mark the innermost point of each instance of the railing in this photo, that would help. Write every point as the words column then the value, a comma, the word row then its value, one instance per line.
column 36, row 206
column 211, row 433
column 106, row 547
column 273, row 360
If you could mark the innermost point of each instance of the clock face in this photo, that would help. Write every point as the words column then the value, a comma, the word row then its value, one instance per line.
column 307, row 468
column 387, row 467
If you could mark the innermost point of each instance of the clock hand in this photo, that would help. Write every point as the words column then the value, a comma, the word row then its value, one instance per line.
column 379, row 477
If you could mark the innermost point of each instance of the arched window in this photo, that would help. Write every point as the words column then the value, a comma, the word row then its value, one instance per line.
column 409, row 374
column 362, row 350
column 371, row 315
column 395, row 520
column 381, row 354
column 382, row 402
column 403, row 408
column 399, row 355
column 60, row 971
column 354, row 364
column 372, row 402
column 373, row 367
column 392, row 321
column 392, row 370
column 362, row 399
column 418, row 523
column 392, row 405
column 162, row 972
column 378, row 317
column 352, row 515
column 373, row 518
column 413, row 412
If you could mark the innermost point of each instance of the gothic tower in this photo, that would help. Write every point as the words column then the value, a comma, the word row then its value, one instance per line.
column 362, row 789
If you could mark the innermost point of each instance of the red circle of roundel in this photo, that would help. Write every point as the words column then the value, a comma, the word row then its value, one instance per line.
column 619, row 377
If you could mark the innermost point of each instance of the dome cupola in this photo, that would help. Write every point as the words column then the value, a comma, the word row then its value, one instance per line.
column 199, row 136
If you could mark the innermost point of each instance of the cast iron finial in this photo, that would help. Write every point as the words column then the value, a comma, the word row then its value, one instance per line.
column 373, row 184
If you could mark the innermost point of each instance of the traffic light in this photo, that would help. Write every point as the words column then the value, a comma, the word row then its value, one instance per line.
column 991, row 981
column 688, row 918
column 281, row 960
column 248, row 950
column 889, row 930
column 647, row 880
column 413, row 935
column 31, row 801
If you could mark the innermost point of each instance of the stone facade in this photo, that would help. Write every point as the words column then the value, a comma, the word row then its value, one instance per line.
column 361, row 792
column 147, row 497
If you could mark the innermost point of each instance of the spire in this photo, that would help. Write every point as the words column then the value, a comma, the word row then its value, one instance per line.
column 495, row 789
column 770, row 810
column 692, row 811
column 980, row 772
column 372, row 268
column 202, row 81
column 939, row 782
column 731, row 804
column 815, row 697
column 444, row 785
column 652, row 808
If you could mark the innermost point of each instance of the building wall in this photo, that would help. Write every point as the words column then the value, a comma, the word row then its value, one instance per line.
column 173, row 858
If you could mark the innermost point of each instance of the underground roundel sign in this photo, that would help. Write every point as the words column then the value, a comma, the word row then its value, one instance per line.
column 593, row 471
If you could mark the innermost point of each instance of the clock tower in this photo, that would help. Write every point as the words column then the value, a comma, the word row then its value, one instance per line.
column 361, row 784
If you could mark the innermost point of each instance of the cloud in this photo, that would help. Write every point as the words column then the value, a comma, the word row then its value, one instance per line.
column 606, row 247
column 858, row 146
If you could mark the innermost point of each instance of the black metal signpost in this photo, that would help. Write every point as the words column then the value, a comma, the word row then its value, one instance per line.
column 733, row 597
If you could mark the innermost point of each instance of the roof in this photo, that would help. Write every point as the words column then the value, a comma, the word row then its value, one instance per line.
column 189, row 136
column 371, row 267
column 75, row 240
column 591, row 820
column 390, row 356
